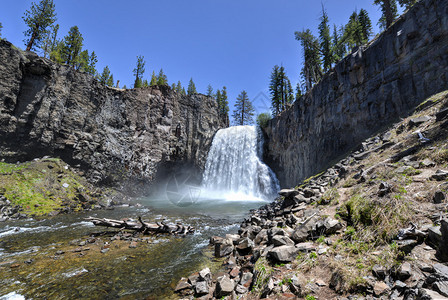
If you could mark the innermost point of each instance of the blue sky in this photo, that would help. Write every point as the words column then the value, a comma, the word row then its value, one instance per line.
column 217, row 42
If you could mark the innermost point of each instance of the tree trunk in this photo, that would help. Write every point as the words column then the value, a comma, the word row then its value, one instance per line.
column 31, row 42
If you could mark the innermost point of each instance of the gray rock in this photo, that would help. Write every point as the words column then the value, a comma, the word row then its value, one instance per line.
column 182, row 285
column 440, row 175
column 201, row 288
column 441, row 287
column 379, row 271
column 331, row 225
column 245, row 246
column 205, row 275
column 246, row 279
column 283, row 253
column 406, row 245
column 384, row 189
column 115, row 134
column 306, row 247
column 443, row 246
column 288, row 193
column 434, row 236
column 280, row 240
column 419, row 120
column 300, row 234
column 426, row 294
column 441, row 271
column 427, row 163
column 223, row 248
column 405, row 271
column 241, row 289
column 224, row 286
column 262, row 237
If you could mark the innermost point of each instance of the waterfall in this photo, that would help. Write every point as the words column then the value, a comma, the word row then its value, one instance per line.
column 234, row 168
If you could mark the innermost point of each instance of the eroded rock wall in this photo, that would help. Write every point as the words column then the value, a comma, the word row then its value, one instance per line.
column 114, row 134
column 369, row 89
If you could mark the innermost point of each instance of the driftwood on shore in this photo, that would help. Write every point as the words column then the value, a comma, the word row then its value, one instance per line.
column 143, row 227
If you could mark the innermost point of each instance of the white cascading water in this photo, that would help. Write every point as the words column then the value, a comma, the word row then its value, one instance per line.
column 234, row 169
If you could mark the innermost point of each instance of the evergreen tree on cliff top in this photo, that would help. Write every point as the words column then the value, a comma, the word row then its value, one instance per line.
column 390, row 12
column 72, row 47
column 162, row 79
column 191, row 90
column 312, row 70
column 139, row 71
column 38, row 19
column 280, row 89
column 243, row 113
column 326, row 47
column 1, row 27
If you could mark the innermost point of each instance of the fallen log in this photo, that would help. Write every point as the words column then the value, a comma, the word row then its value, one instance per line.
column 143, row 227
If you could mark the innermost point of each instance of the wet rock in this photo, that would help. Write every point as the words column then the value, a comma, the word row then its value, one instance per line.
column 380, row 288
column 224, row 286
column 440, row 175
column 283, row 253
column 439, row 197
column 201, row 288
column 182, row 285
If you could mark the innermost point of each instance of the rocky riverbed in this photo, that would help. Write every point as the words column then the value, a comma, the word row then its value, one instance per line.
column 373, row 226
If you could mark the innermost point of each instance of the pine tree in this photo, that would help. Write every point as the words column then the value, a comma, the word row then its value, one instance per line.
column 145, row 83
column 191, row 88
column 209, row 90
column 82, row 61
column 72, row 46
column 311, row 71
column 326, row 47
column 179, row 88
column 224, row 105
column 184, row 92
column 274, row 89
column 389, row 10
column 57, row 54
column 298, row 91
column 38, row 19
column 104, row 77
column 91, row 66
column 173, row 86
column 243, row 113
column 162, row 79
column 153, row 81
column 407, row 3
column 338, row 44
column 1, row 27
column 139, row 71
column 110, row 81
column 365, row 25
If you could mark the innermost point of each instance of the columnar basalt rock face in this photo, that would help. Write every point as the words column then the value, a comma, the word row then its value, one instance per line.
column 114, row 134
column 368, row 90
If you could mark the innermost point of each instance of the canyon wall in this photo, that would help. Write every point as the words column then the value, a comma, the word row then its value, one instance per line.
column 366, row 91
column 113, row 134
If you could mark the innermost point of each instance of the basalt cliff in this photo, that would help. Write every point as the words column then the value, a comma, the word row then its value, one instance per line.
column 368, row 90
column 112, row 134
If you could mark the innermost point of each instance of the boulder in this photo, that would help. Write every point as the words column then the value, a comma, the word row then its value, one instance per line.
column 405, row 271
column 300, row 234
column 205, row 275
column 280, row 240
column 441, row 287
column 241, row 289
column 246, row 279
column 439, row 197
column 288, row 193
column 380, row 288
column 283, row 253
column 223, row 247
column 331, row 225
column 245, row 246
column 443, row 246
column 427, row 163
column 262, row 237
column 425, row 294
column 224, row 286
column 306, row 247
column 201, row 288
column 182, row 285
column 440, row 175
